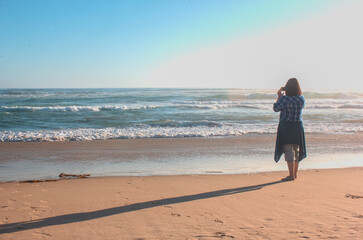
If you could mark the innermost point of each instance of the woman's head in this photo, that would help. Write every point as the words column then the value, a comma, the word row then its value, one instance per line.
column 292, row 87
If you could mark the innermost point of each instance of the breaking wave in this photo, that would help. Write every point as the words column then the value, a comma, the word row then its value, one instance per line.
column 208, row 130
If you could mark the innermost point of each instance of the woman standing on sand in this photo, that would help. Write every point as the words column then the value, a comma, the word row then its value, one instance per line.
column 290, row 138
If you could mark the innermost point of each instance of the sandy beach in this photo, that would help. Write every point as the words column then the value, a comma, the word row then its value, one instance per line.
column 320, row 204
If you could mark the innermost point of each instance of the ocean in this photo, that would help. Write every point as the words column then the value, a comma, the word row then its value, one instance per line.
column 28, row 115
column 143, row 132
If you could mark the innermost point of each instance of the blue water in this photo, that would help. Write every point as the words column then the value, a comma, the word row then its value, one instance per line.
column 88, row 114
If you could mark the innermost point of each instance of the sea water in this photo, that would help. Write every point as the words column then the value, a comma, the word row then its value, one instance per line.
column 33, row 115
column 94, row 114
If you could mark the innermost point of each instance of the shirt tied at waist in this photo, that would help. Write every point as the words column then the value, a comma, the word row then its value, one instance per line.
column 290, row 133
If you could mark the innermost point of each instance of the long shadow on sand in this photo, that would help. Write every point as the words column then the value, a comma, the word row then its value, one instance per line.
column 85, row 216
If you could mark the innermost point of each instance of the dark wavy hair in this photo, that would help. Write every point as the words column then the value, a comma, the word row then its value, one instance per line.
column 292, row 88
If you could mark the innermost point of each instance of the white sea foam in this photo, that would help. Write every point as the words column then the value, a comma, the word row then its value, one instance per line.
column 75, row 108
column 337, row 106
column 166, row 132
column 130, row 132
column 263, row 104
column 221, row 104
column 213, row 105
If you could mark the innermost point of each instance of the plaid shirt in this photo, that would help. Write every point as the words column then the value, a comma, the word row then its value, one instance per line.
column 290, row 107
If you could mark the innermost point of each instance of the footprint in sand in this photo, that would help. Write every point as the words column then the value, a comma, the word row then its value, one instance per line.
column 222, row 234
column 42, row 234
column 216, row 235
column 16, row 191
column 39, row 208
column 35, row 208
column 218, row 221
column 6, row 208
column 175, row 214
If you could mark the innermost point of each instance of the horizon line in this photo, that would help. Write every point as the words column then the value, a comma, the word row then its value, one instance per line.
column 228, row 88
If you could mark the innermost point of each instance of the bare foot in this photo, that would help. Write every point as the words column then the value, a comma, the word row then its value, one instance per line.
column 288, row 178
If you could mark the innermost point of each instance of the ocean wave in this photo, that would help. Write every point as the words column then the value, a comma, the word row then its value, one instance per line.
column 212, row 105
column 203, row 94
column 320, row 107
column 215, row 105
column 73, row 108
column 335, row 107
column 334, row 103
column 350, row 106
column 12, row 93
column 331, row 95
column 192, row 105
column 174, row 123
column 166, row 132
column 308, row 94
column 130, row 132
column 261, row 96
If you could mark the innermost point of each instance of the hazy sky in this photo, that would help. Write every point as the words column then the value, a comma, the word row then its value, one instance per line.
column 194, row 43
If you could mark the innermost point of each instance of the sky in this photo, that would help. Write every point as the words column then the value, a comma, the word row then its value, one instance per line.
column 182, row 43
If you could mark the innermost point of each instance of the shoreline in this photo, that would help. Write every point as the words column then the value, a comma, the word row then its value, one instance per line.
column 282, row 172
column 320, row 204
column 248, row 139
column 170, row 156
column 324, row 135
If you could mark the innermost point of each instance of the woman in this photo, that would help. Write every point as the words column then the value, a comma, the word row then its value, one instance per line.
column 290, row 138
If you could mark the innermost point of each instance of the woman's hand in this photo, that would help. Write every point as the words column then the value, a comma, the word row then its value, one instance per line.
column 279, row 93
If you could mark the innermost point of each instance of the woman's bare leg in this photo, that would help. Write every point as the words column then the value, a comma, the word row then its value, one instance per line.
column 296, row 166
column 291, row 176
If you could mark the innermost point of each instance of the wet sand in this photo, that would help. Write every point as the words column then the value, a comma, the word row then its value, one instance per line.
column 160, row 147
column 170, row 156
